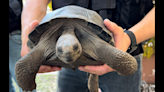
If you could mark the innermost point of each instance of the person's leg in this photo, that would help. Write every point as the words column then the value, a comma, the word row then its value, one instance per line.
column 14, row 56
column 11, row 87
column 72, row 81
column 112, row 82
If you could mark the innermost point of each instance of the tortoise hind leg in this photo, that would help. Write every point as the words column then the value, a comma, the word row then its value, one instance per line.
column 27, row 67
column 93, row 83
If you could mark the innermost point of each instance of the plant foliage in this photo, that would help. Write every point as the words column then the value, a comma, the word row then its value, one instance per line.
column 50, row 5
column 149, row 48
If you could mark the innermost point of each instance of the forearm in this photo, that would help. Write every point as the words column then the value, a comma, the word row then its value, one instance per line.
column 33, row 10
column 145, row 29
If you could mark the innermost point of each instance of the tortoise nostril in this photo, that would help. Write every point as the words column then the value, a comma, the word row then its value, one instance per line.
column 68, row 57
column 68, row 54
column 75, row 47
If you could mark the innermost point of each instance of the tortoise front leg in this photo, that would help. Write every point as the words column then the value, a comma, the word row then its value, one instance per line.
column 27, row 67
column 121, row 61
column 98, row 49
column 93, row 83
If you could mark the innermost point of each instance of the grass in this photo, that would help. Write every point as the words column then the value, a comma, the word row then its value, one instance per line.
column 46, row 82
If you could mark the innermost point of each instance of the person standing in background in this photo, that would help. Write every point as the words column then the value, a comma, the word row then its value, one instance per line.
column 15, row 9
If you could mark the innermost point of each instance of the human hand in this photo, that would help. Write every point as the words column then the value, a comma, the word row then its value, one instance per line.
column 25, row 49
column 99, row 70
column 24, row 36
column 122, row 42
column 46, row 68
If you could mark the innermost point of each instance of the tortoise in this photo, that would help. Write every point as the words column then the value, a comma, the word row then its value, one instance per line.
column 69, row 37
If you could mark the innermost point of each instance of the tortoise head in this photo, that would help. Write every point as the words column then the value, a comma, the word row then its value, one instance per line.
column 68, row 48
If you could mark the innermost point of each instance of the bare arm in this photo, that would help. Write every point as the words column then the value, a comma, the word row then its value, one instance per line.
column 32, row 14
column 143, row 30
column 33, row 10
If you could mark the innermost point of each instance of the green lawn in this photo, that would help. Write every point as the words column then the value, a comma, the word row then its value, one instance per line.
column 46, row 82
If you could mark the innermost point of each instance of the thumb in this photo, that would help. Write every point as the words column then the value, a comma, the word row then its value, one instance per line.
column 24, row 50
column 33, row 25
column 112, row 27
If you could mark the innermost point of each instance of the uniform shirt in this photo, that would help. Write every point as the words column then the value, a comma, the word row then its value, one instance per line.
column 15, row 9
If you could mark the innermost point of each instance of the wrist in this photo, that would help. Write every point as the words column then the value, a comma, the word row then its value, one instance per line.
column 133, row 42
column 128, row 40
column 132, row 37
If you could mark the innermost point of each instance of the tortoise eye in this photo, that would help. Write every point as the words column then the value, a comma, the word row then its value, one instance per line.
column 60, row 51
column 75, row 47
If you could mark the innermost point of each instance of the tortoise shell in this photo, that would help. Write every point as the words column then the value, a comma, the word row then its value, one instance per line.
column 89, row 17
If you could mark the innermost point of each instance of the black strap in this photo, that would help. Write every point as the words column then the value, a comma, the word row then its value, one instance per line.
column 133, row 46
column 132, row 37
